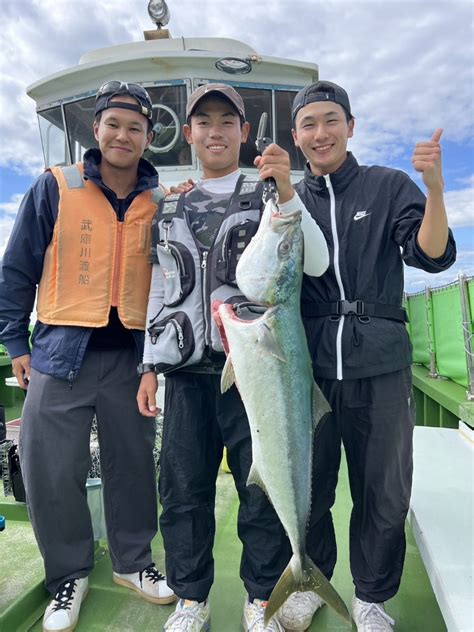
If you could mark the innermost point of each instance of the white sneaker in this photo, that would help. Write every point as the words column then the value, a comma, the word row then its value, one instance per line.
column 189, row 616
column 252, row 619
column 148, row 583
column 371, row 617
column 298, row 611
column 62, row 614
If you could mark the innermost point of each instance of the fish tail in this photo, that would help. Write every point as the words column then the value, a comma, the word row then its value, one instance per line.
column 303, row 576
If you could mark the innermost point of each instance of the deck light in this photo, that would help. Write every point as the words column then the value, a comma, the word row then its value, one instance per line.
column 159, row 12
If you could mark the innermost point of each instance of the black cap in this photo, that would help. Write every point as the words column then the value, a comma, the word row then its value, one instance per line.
column 112, row 89
column 321, row 91
column 216, row 88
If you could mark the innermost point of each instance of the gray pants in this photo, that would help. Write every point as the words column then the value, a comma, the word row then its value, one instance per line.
column 55, row 460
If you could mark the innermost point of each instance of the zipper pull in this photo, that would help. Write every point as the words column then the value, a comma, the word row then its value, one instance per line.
column 180, row 337
column 204, row 259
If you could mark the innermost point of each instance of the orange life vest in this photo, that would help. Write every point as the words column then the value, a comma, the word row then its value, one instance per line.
column 94, row 261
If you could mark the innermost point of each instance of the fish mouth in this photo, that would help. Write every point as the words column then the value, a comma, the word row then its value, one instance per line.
column 254, row 312
column 245, row 313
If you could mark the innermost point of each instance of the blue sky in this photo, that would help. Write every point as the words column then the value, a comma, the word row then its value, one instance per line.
column 408, row 67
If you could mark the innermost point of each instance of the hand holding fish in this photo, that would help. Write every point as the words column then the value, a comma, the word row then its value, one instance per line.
column 275, row 163
column 427, row 160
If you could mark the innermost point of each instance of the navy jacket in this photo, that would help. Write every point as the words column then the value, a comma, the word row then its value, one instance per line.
column 371, row 231
column 56, row 350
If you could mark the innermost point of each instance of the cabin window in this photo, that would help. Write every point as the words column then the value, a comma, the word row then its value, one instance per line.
column 256, row 101
column 53, row 137
column 79, row 119
column 169, row 147
column 283, row 104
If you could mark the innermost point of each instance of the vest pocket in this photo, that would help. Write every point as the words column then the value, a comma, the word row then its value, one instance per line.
column 178, row 270
column 173, row 341
column 234, row 243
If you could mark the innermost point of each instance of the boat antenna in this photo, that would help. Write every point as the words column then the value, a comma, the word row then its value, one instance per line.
column 160, row 15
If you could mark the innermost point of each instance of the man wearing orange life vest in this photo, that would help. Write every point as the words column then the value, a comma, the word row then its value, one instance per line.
column 82, row 236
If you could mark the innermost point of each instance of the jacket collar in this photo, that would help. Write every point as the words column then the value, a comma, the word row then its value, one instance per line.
column 340, row 179
column 147, row 174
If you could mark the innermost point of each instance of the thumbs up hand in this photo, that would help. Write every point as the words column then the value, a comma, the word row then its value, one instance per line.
column 426, row 160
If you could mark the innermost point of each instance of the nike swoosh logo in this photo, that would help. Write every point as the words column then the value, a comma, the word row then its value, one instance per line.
column 360, row 215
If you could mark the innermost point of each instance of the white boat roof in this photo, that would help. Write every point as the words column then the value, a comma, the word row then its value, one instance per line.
column 158, row 61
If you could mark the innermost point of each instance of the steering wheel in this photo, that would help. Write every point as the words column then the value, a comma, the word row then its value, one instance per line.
column 167, row 129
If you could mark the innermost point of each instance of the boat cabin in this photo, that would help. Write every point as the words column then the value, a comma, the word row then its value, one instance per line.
column 170, row 69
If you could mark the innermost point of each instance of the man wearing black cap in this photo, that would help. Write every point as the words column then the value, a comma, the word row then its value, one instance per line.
column 374, row 219
column 81, row 236
column 197, row 239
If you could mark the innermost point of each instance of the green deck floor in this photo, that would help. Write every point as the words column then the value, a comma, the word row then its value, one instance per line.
column 110, row 608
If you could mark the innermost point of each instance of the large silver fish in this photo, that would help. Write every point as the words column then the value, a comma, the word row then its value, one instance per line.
column 268, row 359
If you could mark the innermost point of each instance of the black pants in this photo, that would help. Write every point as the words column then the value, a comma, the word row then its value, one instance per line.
column 374, row 417
column 198, row 422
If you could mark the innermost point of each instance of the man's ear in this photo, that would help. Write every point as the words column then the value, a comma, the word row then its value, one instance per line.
column 149, row 138
column 295, row 137
column 350, row 128
column 95, row 127
column 244, row 134
column 188, row 135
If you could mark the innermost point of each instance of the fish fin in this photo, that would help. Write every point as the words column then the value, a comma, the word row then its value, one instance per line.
column 307, row 578
column 228, row 375
column 269, row 343
column 254, row 478
column 320, row 405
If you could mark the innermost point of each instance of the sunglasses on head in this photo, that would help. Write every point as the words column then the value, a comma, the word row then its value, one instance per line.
column 123, row 86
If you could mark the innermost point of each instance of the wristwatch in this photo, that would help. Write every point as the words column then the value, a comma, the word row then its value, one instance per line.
column 146, row 367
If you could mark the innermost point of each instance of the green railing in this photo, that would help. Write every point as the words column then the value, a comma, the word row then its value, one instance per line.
column 441, row 331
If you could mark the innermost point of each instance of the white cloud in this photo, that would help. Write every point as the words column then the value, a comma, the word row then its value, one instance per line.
column 11, row 208
column 8, row 211
column 460, row 206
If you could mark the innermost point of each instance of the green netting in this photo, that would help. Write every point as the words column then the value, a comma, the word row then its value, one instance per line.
column 419, row 331
column 449, row 338
column 470, row 291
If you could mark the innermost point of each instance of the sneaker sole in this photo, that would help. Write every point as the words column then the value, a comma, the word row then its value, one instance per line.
column 162, row 601
column 71, row 627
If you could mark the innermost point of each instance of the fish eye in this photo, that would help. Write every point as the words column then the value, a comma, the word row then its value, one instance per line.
column 284, row 248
